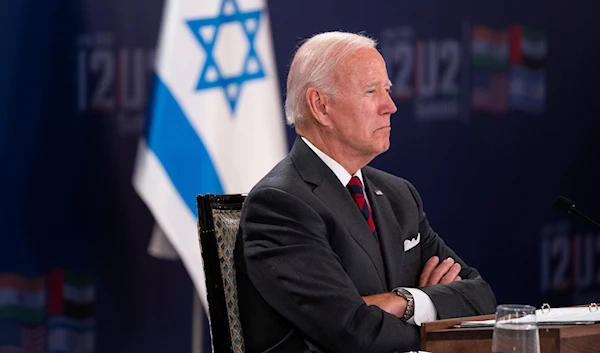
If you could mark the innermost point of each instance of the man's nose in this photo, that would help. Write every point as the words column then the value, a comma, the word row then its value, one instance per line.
column 388, row 106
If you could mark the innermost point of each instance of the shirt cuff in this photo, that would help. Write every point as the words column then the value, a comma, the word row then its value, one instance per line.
column 425, row 311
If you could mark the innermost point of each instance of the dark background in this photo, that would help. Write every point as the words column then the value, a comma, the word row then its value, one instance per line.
column 488, row 180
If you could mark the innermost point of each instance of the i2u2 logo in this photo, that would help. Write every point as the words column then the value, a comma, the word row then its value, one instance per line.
column 425, row 72
column 113, row 80
column 570, row 261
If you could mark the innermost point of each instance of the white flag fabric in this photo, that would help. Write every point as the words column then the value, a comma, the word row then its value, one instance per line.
column 216, row 124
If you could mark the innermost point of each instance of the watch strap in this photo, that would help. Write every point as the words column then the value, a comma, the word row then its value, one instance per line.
column 410, row 303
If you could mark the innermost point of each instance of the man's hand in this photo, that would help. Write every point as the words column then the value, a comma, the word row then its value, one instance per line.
column 435, row 272
column 388, row 302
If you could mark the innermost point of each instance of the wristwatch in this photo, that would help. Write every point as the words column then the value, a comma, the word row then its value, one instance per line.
column 410, row 303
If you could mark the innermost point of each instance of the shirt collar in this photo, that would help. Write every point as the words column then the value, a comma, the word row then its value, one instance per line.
column 339, row 171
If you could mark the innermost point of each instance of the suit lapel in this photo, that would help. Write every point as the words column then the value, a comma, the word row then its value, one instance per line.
column 337, row 198
column 389, row 231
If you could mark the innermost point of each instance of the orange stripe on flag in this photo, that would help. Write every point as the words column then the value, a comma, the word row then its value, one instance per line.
column 29, row 284
column 488, row 34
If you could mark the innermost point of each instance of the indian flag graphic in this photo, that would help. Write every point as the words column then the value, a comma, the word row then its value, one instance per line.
column 489, row 48
column 22, row 299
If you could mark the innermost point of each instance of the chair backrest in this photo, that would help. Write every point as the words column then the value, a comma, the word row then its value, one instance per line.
column 218, row 224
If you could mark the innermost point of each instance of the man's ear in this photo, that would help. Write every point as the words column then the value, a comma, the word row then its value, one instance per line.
column 317, row 103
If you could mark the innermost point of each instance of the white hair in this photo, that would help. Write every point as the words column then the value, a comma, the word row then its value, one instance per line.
column 314, row 65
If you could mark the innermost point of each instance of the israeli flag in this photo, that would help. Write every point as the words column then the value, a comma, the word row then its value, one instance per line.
column 216, row 124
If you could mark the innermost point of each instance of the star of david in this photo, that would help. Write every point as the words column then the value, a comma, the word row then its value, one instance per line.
column 206, row 31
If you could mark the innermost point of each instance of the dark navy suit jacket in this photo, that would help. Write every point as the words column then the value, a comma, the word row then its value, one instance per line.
column 305, row 256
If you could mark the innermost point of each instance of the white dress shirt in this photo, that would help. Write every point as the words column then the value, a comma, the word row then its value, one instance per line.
column 424, row 309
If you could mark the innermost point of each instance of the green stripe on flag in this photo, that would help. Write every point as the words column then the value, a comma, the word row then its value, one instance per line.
column 533, row 35
column 23, row 315
column 78, row 280
column 490, row 62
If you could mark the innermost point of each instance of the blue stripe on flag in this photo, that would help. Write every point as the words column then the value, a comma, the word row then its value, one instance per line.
column 179, row 149
column 79, row 326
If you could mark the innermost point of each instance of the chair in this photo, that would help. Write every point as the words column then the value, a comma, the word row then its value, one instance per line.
column 218, row 223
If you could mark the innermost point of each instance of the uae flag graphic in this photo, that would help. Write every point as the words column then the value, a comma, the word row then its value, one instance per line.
column 71, row 295
column 527, row 48
column 527, row 75
column 71, row 322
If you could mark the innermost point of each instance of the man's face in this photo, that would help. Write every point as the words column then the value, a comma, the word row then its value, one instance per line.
column 361, row 107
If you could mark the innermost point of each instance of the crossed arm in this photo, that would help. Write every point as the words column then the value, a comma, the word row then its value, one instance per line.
column 434, row 272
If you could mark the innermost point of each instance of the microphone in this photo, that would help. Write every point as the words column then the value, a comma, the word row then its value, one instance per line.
column 566, row 205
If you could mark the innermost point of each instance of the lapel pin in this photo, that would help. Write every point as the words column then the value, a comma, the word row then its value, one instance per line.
column 378, row 193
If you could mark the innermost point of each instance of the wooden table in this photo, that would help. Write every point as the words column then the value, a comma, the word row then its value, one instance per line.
column 441, row 337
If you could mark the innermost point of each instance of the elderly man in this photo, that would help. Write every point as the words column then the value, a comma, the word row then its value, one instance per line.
column 332, row 255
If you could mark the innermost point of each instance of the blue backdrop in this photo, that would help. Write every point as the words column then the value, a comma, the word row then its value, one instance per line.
column 497, row 115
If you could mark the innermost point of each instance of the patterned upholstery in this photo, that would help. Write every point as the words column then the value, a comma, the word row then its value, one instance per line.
column 226, row 228
column 218, row 223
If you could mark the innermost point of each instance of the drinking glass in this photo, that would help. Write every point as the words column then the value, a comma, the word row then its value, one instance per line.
column 515, row 330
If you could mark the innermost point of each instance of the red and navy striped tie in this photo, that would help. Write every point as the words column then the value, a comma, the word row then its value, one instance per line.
column 356, row 190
